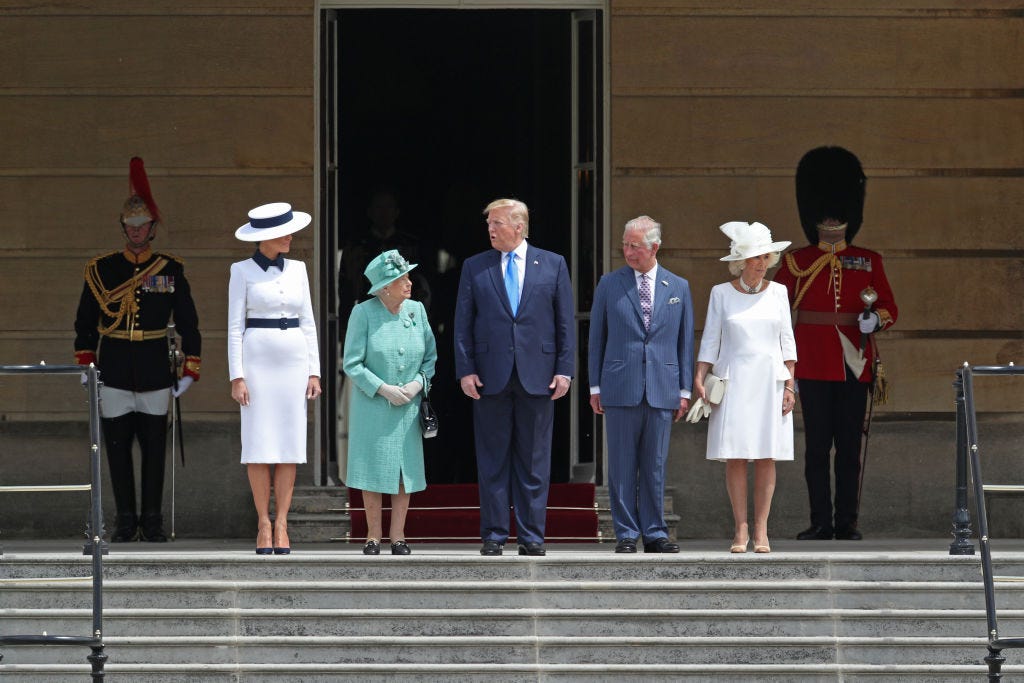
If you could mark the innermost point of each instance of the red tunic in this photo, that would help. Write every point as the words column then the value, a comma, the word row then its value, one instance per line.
column 823, row 282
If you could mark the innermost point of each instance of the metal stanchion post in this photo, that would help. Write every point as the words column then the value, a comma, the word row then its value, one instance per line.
column 961, row 544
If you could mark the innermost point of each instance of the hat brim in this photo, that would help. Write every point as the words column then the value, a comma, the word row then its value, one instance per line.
column 299, row 220
column 758, row 251
column 384, row 283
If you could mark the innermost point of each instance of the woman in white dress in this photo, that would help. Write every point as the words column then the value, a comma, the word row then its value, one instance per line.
column 748, row 342
column 274, row 363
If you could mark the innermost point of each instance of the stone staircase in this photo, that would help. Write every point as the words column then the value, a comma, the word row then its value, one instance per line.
column 328, row 613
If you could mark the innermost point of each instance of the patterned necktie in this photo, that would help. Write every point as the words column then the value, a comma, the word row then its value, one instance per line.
column 645, row 300
column 512, row 282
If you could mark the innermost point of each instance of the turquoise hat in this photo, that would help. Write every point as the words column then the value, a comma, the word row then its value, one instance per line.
column 385, row 268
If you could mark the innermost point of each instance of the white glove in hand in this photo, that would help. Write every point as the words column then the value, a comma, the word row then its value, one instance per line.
column 868, row 322
column 393, row 394
column 183, row 384
column 412, row 388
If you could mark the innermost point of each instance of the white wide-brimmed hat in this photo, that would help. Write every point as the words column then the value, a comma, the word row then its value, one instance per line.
column 271, row 221
column 749, row 239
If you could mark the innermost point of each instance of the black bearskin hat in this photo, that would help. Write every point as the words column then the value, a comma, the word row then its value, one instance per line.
column 830, row 184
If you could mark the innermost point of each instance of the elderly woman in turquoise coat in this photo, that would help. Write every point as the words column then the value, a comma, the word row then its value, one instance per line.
column 390, row 354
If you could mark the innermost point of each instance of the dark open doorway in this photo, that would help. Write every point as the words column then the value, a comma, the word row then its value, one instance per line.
column 437, row 113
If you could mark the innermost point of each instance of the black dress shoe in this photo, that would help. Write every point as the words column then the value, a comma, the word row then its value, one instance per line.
column 848, row 534
column 532, row 549
column 661, row 545
column 815, row 533
column 372, row 547
column 126, row 528
column 400, row 548
column 491, row 548
column 151, row 528
column 626, row 545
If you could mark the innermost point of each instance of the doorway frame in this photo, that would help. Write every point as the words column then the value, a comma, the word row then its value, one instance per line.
column 480, row 5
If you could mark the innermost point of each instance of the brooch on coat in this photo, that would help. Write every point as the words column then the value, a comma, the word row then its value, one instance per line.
column 673, row 300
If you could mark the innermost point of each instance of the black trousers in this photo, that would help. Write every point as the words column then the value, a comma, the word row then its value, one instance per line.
column 119, row 433
column 833, row 416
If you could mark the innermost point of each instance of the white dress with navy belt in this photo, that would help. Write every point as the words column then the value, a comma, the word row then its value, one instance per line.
column 275, row 363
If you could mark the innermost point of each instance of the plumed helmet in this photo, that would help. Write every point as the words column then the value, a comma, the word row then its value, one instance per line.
column 830, row 183
column 139, row 208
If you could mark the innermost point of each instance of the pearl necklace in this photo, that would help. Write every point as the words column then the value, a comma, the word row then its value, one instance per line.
column 751, row 290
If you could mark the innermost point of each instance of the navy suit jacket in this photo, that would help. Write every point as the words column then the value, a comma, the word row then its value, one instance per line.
column 540, row 340
column 629, row 362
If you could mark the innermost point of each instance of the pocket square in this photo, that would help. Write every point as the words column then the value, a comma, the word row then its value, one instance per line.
column 673, row 300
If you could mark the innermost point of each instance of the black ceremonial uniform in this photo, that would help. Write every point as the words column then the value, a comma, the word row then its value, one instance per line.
column 127, row 301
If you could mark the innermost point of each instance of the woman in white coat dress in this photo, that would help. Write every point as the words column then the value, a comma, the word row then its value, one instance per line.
column 274, row 363
column 748, row 342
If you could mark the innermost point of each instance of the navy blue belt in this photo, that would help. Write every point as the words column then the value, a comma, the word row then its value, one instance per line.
column 278, row 323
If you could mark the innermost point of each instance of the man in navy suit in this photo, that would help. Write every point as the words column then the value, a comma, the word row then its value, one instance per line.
column 641, row 374
column 515, row 345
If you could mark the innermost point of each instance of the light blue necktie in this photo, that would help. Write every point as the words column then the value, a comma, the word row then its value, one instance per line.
column 512, row 282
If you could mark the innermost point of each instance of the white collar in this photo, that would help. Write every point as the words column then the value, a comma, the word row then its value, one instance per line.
column 519, row 251
column 651, row 273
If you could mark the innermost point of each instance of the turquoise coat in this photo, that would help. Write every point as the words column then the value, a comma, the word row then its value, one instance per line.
column 384, row 441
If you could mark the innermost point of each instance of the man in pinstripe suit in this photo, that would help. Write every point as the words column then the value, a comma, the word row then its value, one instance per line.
column 641, row 374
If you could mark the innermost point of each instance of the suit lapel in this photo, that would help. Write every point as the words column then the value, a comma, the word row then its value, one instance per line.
column 530, row 273
column 660, row 290
column 494, row 268
column 628, row 279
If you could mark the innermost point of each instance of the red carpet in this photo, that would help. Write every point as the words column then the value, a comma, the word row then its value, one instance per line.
column 450, row 513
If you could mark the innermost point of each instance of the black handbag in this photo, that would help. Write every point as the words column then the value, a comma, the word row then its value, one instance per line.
column 428, row 418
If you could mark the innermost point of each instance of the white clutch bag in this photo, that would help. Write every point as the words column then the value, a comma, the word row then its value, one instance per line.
column 714, row 388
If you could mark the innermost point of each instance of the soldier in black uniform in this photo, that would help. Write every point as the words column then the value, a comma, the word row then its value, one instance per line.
column 128, row 298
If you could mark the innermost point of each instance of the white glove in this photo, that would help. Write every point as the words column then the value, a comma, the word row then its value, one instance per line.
column 868, row 322
column 412, row 388
column 183, row 384
column 698, row 411
column 393, row 394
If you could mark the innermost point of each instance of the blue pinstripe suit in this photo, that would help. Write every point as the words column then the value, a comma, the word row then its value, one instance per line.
column 640, row 374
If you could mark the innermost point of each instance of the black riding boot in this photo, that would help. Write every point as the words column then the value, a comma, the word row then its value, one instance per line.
column 152, row 431
column 118, row 433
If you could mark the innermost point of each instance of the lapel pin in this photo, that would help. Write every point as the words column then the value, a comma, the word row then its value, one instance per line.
column 536, row 263
column 664, row 283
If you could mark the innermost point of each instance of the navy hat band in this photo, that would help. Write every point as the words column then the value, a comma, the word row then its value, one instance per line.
column 272, row 222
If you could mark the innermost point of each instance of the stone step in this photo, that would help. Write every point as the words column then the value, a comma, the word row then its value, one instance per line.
column 550, row 650
column 511, row 673
column 515, row 594
column 511, row 622
column 345, row 561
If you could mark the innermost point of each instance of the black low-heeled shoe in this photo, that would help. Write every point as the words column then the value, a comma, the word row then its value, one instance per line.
column 400, row 548
column 264, row 551
column 282, row 551
column 372, row 547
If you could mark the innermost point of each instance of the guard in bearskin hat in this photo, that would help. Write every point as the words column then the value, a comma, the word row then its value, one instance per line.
column 840, row 298
column 128, row 299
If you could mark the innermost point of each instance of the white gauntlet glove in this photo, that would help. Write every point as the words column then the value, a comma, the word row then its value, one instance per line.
column 868, row 321
column 393, row 394
column 412, row 388
column 183, row 384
